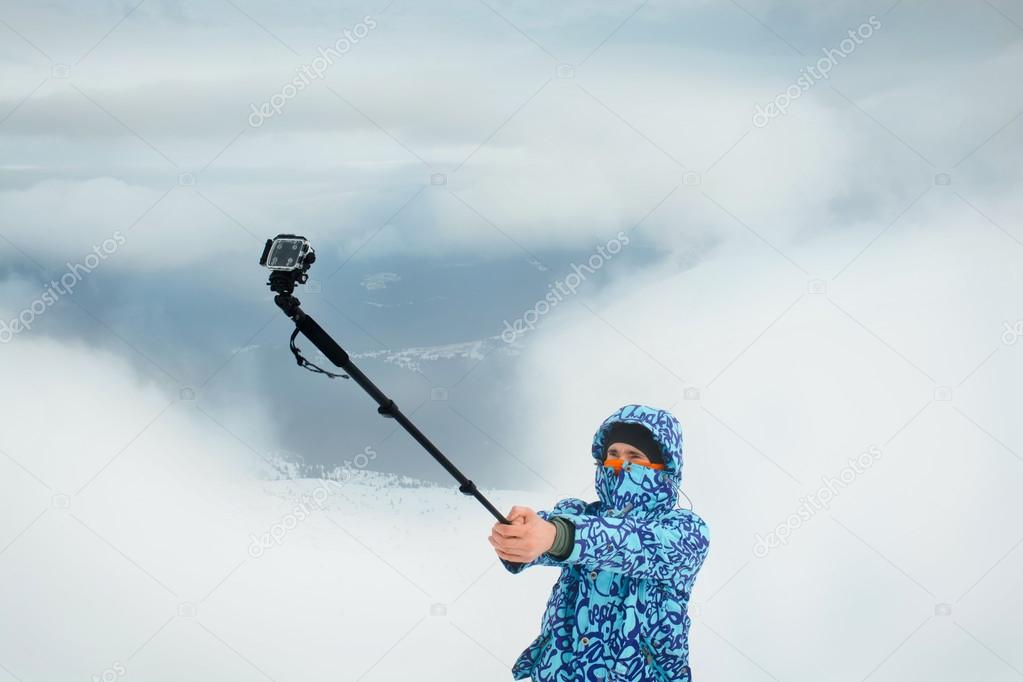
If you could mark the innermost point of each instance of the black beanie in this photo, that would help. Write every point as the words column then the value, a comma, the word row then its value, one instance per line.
column 636, row 435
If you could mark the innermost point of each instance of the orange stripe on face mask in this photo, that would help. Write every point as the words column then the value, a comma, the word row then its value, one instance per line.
column 616, row 464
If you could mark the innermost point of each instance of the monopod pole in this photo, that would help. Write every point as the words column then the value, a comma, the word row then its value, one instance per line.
column 386, row 407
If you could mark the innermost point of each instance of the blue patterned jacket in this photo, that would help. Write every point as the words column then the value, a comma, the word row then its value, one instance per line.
column 617, row 612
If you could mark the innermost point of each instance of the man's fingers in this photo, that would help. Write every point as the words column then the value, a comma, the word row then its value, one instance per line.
column 508, row 543
column 515, row 530
column 513, row 555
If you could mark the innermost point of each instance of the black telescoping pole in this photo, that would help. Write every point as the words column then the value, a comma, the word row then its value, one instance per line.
column 387, row 407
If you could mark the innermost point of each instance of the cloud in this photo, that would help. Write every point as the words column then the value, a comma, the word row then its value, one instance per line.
column 132, row 514
column 778, row 386
column 839, row 278
column 542, row 162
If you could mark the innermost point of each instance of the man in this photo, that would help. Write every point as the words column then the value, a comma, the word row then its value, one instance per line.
column 628, row 561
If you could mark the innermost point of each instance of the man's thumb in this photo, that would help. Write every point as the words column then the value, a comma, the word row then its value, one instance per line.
column 517, row 514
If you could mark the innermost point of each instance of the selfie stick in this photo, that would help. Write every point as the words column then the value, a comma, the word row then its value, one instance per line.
column 283, row 282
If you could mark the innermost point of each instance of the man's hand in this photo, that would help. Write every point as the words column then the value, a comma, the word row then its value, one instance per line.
column 527, row 537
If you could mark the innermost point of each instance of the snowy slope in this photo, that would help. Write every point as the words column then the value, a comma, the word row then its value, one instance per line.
column 370, row 579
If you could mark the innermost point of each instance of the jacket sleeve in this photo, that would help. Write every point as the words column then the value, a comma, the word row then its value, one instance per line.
column 567, row 508
column 669, row 548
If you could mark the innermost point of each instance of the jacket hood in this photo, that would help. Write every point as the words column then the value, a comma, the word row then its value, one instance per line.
column 641, row 487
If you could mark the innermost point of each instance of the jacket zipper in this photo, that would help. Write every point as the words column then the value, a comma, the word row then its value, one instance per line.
column 650, row 654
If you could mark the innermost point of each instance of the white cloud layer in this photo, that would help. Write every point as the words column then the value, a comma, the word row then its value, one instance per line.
column 843, row 277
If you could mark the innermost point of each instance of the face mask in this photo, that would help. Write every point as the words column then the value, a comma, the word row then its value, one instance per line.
column 628, row 486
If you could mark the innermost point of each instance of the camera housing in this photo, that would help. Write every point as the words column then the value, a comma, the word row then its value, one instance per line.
column 286, row 253
column 288, row 257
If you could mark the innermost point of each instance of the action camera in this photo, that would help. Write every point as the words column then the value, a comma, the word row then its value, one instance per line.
column 286, row 252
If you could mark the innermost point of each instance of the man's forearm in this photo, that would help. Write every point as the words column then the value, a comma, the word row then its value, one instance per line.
column 669, row 548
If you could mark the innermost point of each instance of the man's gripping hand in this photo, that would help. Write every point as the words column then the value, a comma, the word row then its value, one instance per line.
column 525, row 538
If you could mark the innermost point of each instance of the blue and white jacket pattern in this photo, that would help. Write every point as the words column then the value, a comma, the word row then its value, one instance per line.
column 617, row 612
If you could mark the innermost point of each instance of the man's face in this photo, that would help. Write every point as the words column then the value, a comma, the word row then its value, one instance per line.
column 627, row 453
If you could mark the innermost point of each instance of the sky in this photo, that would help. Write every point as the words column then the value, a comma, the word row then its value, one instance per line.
column 796, row 226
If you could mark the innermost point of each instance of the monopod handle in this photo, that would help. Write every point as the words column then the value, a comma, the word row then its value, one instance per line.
column 508, row 564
